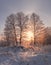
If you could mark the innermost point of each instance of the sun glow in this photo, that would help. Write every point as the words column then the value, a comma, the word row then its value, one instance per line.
column 1, row 37
column 29, row 35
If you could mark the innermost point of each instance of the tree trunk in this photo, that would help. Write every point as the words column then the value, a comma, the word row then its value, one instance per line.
column 16, row 43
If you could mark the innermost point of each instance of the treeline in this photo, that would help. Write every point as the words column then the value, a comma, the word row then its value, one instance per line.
column 17, row 24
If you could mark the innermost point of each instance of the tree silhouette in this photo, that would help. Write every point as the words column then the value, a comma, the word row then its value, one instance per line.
column 38, row 28
column 17, row 24
column 21, row 20
column 10, row 30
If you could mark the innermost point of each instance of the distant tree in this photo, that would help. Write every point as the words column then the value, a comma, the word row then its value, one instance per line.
column 48, row 36
column 48, row 40
column 10, row 30
column 38, row 28
column 21, row 20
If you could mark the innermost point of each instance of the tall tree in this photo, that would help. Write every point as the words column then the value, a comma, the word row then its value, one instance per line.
column 21, row 20
column 38, row 27
column 10, row 29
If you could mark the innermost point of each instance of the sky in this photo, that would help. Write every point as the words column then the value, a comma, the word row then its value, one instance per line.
column 40, row 7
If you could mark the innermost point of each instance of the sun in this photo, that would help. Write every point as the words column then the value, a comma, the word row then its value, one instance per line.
column 29, row 35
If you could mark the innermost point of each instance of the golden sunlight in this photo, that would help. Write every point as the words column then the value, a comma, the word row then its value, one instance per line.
column 29, row 35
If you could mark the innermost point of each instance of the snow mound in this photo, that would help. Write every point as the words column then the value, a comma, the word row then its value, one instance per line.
column 23, row 56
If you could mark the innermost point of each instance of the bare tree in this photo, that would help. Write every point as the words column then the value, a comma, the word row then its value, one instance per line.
column 38, row 27
column 10, row 29
column 21, row 20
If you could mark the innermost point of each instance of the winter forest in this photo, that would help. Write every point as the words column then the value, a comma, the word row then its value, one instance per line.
column 26, row 36
column 25, row 32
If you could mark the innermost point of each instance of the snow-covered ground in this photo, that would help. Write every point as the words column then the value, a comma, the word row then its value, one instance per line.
column 19, row 56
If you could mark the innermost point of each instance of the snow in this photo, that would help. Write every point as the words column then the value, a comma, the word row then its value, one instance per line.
column 23, row 56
